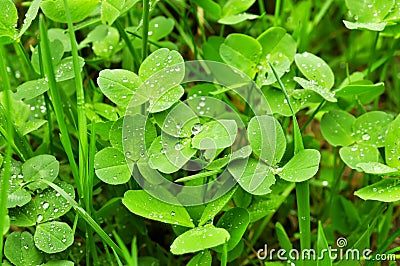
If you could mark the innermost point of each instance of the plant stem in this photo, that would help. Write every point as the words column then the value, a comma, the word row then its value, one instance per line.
column 87, row 23
column 7, row 162
column 321, row 14
column 22, row 52
column 86, row 181
column 311, row 118
column 149, row 41
column 56, row 99
column 302, row 188
column 80, row 103
column 199, row 22
column 222, row 31
column 50, row 122
column 337, row 173
column 303, row 208
column 21, row 61
column 372, row 54
column 268, row 218
column 10, row 138
column 145, row 36
column 128, row 43
column 276, row 13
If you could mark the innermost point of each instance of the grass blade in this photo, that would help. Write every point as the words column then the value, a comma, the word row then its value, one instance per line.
column 56, row 98
column 92, row 223
column 302, row 188
column 7, row 162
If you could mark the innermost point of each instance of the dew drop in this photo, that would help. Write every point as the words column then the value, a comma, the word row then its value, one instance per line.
column 196, row 129
column 366, row 137
column 178, row 146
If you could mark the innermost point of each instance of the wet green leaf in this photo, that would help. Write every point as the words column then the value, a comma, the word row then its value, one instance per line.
column 267, row 139
column 303, row 166
column 279, row 49
column 40, row 167
column 368, row 14
column 216, row 135
column 370, row 128
column 198, row 239
column 214, row 207
column 241, row 51
column 376, row 168
column 386, row 190
column 20, row 249
column 111, row 167
column 392, row 144
column 252, row 175
column 8, row 21
column 358, row 153
column 53, row 237
column 337, row 127
column 119, row 86
column 201, row 259
column 168, row 154
column 31, row 89
column 235, row 221
column 29, row 17
column 141, row 203
column 315, row 69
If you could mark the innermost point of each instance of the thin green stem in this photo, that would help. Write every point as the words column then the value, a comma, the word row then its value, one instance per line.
column 145, row 34
column 186, row 28
column 134, row 251
column 50, row 122
column 302, row 188
column 81, row 111
column 48, row 106
column 10, row 138
column 276, row 13
column 182, row 33
column 21, row 61
column 7, row 162
column 199, row 23
column 56, row 99
column 128, row 258
column 28, row 62
column 86, row 182
column 303, row 208
column 372, row 54
column 87, row 23
column 321, row 14
column 298, row 141
column 125, row 37
column 222, row 31
column 149, row 41
column 337, row 173
column 224, row 255
column 268, row 218
column 108, row 255
column 360, row 106
column 311, row 118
